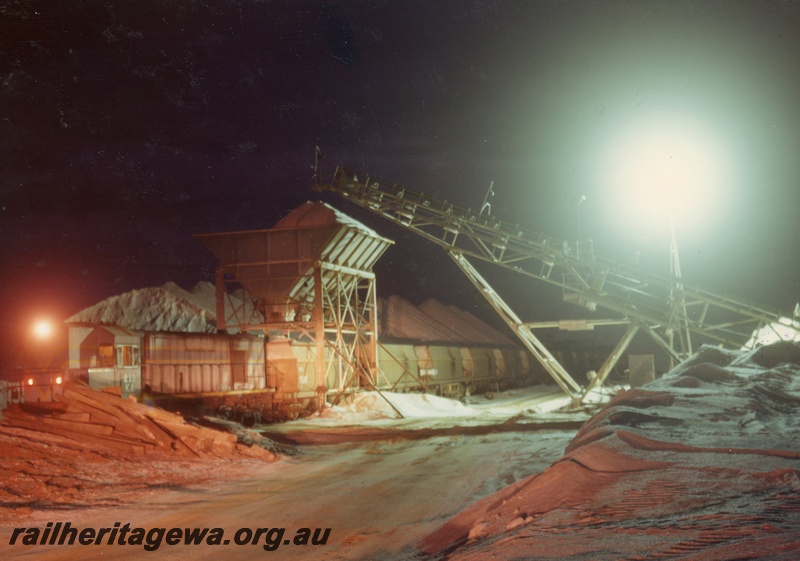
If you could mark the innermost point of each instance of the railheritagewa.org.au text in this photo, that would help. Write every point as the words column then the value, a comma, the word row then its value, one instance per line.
column 151, row 539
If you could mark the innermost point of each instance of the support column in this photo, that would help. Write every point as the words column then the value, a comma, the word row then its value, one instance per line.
column 536, row 347
column 612, row 359
column 219, row 284
column 667, row 346
column 373, row 324
column 319, row 336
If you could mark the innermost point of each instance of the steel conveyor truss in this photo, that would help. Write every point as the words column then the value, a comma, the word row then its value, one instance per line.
column 667, row 309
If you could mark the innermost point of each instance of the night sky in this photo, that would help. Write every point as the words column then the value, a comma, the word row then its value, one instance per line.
column 126, row 127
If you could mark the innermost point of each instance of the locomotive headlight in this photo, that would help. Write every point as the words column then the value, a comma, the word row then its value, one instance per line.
column 58, row 380
column 30, row 381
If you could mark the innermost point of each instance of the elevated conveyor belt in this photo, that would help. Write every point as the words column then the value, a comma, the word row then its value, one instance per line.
column 666, row 308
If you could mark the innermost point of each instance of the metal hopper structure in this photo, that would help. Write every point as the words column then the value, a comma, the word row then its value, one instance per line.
column 309, row 276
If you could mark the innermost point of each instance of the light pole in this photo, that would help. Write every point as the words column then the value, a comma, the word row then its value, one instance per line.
column 581, row 200
column 676, row 293
column 579, row 244
column 667, row 167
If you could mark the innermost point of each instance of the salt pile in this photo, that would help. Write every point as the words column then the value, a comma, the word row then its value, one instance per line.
column 785, row 329
column 703, row 463
column 166, row 308
column 371, row 406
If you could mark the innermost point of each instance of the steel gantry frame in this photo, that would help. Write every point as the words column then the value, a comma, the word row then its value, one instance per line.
column 309, row 277
column 337, row 311
column 665, row 308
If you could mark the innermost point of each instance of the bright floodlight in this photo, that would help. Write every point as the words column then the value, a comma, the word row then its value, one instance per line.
column 43, row 329
column 663, row 167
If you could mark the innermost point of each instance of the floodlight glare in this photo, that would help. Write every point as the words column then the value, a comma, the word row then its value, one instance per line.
column 666, row 167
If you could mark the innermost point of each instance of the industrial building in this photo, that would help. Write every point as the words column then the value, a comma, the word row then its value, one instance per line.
column 293, row 321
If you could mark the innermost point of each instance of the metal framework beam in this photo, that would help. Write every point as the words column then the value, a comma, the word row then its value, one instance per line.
column 536, row 347
column 662, row 306
column 667, row 303
column 612, row 359
column 339, row 309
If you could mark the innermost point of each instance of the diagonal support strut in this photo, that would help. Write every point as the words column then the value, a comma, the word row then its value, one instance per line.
column 531, row 342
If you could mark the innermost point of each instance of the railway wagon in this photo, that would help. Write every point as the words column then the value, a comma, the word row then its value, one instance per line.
column 254, row 379
column 447, row 370
column 452, row 371
column 180, row 363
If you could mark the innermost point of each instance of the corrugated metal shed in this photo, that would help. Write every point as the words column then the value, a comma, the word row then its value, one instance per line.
column 469, row 326
column 433, row 322
column 402, row 320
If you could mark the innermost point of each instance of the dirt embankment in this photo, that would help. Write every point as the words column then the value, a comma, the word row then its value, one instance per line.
column 95, row 449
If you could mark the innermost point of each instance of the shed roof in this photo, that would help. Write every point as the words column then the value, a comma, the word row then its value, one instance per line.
column 401, row 319
column 433, row 322
column 470, row 327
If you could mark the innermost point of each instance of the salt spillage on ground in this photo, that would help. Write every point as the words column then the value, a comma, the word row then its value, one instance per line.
column 386, row 408
column 383, row 415
column 701, row 464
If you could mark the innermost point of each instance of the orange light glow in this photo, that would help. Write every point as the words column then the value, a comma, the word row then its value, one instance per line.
column 43, row 329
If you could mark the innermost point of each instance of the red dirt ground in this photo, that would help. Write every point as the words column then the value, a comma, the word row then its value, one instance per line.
column 42, row 471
